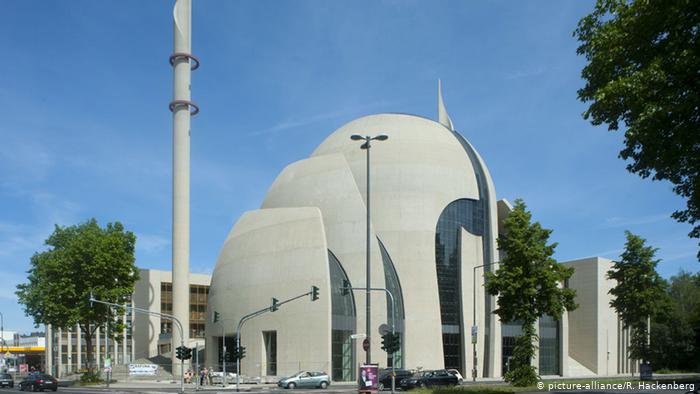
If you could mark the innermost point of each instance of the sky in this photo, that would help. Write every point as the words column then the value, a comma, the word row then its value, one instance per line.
column 85, row 129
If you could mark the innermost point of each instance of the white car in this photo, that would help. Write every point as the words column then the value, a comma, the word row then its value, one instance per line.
column 456, row 373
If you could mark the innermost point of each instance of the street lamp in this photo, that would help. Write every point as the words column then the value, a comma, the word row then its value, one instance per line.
column 366, row 146
column 474, row 327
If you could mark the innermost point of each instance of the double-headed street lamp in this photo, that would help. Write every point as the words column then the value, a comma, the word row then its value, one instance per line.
column 366, row 146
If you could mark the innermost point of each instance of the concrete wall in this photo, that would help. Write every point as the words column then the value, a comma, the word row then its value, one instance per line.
column 278, row 253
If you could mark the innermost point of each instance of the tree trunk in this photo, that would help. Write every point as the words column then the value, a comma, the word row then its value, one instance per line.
column 88, row 345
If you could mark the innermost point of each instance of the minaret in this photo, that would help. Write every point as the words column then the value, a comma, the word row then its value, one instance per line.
column 182, row 108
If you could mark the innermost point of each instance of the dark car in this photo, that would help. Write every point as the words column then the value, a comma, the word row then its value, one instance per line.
column 6, row 380
column 38, row 382
column 384, row 381
column 438, row 377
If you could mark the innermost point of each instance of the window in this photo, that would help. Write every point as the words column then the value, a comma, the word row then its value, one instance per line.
column 270, row 343
column 343, row 322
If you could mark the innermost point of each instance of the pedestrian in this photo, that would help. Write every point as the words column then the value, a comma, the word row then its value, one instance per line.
column 208, row 378
column 202, row 375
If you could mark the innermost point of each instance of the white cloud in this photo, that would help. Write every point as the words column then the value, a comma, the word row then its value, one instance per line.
column 150, row 243
column 628, row 222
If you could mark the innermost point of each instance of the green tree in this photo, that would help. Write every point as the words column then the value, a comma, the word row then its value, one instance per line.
column 639, row 292
column 81, row 259
column 528, row 285
column 643, row 64
column 672, row 327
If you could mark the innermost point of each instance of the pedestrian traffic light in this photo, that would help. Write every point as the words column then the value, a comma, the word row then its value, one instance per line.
column 216, row 316
column 314, row 293
column 345, row 290
column 275, row 305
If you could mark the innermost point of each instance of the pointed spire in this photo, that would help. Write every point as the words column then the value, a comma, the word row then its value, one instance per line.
column 443, row 117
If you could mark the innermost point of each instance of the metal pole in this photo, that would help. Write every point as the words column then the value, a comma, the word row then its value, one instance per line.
column 368, row 358
column 474, row 370
column 223, row 359
column 106, row 348
column 238, row 356
column 196, row 368
column 2, row 332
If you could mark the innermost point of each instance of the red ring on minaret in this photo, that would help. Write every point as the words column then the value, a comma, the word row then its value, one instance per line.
column 189, row 56
column 194, row 109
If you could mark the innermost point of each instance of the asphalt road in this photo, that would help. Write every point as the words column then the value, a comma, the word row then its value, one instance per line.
column 344, row 389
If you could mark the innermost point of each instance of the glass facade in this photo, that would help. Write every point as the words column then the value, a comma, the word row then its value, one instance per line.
column 467, row 214
column 270, row 343
column 343, row 324
column 509, row 331
column 392, row 283
column 549, row 346
column 488, row 241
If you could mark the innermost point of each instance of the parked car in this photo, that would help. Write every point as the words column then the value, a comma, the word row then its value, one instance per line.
column 305, row 379
column 438, row 377
column 385, row 378
column 38, row 382
column 456, row 373
column 6, row 380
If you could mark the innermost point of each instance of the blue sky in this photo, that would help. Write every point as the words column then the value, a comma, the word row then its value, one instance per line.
column 85, row 130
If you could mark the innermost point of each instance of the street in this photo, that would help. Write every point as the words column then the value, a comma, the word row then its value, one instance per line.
column 151, row 388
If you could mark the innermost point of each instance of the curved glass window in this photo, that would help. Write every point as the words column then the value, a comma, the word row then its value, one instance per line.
column 549, row 346
column 343, row 323
column 467, row 214
column 479, row 213
column 392, row 283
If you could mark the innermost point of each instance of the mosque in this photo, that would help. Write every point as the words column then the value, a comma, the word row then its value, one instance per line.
column 435, row 218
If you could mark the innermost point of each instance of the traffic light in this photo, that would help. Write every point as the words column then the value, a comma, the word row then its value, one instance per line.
column 274, row 306
column 345, row 290
column 314, row 293
column 241, row 353
column 395, row 343
column 216, row 316
column 232, row 355
column 180, row 352
column 386, row 342
column 187, row 353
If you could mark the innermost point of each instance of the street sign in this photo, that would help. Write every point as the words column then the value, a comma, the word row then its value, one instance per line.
column 365, row 344
column 475, row 331
column 384, row 329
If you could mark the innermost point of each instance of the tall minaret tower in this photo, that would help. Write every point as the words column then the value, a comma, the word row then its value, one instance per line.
column 182, row 108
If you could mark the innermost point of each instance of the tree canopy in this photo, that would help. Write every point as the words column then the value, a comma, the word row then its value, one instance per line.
column 639, row 292
column 80, row 259
column 643, row 74
column 528, row 283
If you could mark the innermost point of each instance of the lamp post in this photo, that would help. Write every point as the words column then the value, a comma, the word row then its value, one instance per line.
column 2, row 332
column 366, row 146
column 474, row 372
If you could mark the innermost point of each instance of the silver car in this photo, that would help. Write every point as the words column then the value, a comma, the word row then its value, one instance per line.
column 305, row 379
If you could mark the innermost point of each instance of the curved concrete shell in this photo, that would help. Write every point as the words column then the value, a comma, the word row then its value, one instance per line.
column 420, row 249
column 273, row 252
